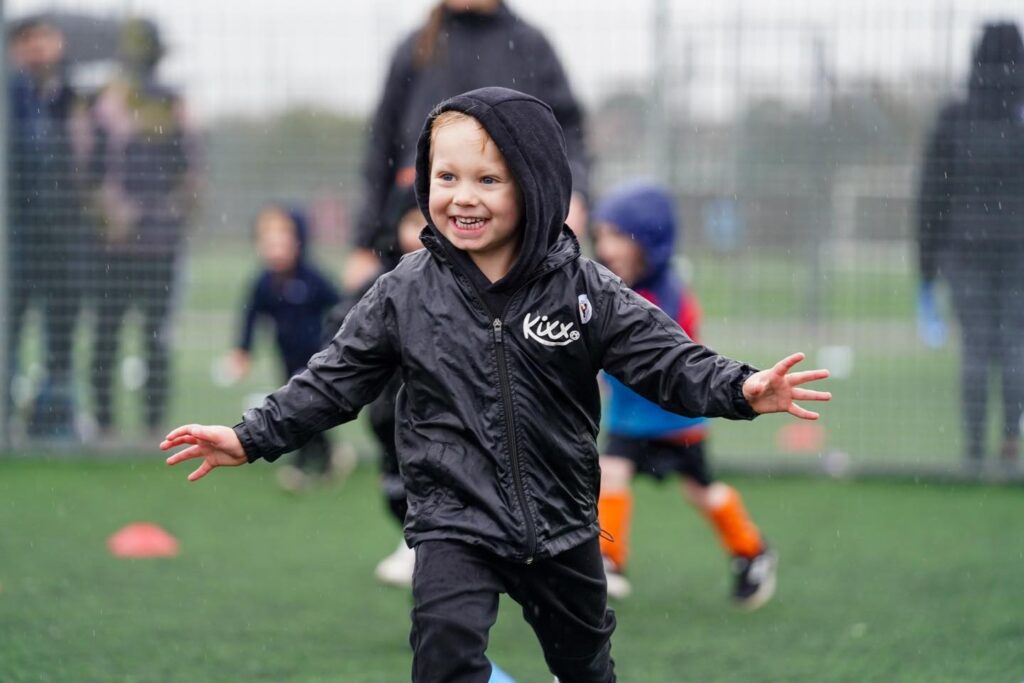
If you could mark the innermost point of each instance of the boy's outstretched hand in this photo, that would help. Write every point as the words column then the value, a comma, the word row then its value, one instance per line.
column 217, row 446
column 774, row 391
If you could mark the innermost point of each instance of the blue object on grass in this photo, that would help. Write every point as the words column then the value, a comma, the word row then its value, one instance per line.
column 499, row 676
column 930, row 325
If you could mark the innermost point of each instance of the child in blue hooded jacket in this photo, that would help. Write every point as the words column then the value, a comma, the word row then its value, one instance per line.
column 635, row 237
column 295, row 296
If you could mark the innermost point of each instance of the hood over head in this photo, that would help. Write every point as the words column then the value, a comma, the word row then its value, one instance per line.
column 644, row 211
column 531, row 141
column 996, row 86
column 299, row 223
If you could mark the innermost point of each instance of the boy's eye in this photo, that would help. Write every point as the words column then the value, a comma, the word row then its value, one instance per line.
column 488, row 180
column 447, row 177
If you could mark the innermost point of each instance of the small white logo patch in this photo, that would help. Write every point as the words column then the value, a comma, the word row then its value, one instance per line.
column 586, row 310
column 549, row 333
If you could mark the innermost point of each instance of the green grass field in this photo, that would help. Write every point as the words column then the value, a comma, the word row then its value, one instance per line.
column 879, row 581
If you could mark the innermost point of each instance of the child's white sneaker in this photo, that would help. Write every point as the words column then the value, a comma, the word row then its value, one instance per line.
column 396, row 569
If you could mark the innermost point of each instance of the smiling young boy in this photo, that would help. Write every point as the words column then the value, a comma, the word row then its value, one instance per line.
column 497, row 419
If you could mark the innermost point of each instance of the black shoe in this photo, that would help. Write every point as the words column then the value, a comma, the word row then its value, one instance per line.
column 755, row 579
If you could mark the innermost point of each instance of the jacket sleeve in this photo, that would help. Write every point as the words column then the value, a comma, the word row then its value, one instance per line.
column 934, row 195
column 380, row 158
column 647, row 351
column 336, row 384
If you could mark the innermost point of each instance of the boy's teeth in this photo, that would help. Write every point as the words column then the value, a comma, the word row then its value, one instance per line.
column 469, row 222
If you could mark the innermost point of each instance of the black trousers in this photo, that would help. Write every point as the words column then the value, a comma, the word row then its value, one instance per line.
column 988, row 294
column 147, row 283
column 46, row 273
column 455, row 591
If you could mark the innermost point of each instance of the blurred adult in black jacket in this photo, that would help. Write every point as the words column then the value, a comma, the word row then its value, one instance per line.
column 464, row 44
column 971, row 231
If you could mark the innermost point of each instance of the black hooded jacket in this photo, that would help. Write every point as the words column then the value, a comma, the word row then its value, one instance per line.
column 474, row 50
column 971, row 201
column 499, row 412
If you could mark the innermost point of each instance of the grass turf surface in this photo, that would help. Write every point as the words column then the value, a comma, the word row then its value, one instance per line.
column 878, row 581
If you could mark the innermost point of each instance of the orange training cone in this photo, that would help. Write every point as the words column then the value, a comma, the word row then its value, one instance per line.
column 142, row 539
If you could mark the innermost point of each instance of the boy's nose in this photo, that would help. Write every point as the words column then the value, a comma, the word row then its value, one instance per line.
column 464, row 196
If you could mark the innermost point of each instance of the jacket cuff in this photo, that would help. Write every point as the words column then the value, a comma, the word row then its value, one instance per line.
column 244, row 438
column 739, row 401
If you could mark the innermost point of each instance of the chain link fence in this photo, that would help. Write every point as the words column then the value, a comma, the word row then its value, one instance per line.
column 792, row 135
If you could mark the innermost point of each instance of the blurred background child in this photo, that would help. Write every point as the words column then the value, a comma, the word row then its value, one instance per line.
column 635, row 232
column 295, row 296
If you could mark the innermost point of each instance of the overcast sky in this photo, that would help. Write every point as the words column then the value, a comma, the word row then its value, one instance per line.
column 254, row 55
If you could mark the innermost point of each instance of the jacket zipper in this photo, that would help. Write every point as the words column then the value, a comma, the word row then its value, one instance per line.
column 517, row 476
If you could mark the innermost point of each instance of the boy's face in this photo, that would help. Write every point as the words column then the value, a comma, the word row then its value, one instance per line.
column 474, row 200
column 619, row 252
column 409, row 228
column 276, row 240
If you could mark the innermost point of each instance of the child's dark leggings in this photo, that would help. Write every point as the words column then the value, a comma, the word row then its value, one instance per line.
column 455, row 593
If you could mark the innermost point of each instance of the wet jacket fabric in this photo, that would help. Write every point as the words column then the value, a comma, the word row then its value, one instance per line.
column 296, row 303
column 499, row 412
column 643, row 211
column 971, row 203
column 474, row 50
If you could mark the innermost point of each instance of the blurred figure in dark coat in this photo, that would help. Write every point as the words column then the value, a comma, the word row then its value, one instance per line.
column 971, row 231
column 47, row 122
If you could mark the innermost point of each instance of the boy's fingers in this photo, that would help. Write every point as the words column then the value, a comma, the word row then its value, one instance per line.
column 811, row 395
column 181, row 431
column 187, row 454
column 802, row 413
column 808, row 376
column 201, row 471
column 181, row 440
column 784, row 365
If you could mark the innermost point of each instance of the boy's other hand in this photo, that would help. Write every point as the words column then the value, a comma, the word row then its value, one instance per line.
column 218, row 447
column 774, row 390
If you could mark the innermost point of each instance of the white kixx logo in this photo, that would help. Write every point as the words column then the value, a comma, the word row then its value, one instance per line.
column 549, row 333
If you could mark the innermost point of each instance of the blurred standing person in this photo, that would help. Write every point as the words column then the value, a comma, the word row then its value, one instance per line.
column 146, row 186
column 464, row 44
column 971, row 231
column 45, row 230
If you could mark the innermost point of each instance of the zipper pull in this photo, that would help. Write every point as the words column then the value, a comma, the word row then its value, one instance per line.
column 497, row 330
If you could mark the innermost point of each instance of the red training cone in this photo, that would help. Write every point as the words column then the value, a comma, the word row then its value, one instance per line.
column 142, row 539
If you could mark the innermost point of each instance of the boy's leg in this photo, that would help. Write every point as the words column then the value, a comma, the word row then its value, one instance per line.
column 455, row 602
column 564, row 600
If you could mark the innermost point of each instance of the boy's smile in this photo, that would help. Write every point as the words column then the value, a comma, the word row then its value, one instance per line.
column 474, row 200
